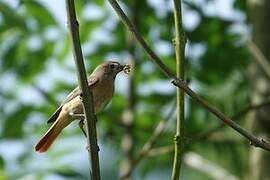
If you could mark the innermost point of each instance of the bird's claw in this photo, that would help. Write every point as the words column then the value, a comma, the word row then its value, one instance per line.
column 74, row 115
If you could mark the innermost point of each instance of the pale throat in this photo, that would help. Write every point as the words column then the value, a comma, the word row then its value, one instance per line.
column 109, row 76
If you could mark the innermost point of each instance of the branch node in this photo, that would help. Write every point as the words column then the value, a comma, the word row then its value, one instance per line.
column 254, row 144
column 177, row 138
column 89, row 149
column 263, row 141
column 184, row 38
column 179, row 82
column 76, row 23
column 174, row 41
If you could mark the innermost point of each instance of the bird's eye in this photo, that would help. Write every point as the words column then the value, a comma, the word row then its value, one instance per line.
column 112, row 66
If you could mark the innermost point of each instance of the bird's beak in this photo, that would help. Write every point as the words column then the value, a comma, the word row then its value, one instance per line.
column 121, row 68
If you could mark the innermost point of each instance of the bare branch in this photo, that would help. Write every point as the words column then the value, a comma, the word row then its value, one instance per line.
column 154, row 138
column 87, row 97
column 147, row 147
column 181, row 84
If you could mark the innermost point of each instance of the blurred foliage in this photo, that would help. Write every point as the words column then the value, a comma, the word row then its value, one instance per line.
column 37, row 71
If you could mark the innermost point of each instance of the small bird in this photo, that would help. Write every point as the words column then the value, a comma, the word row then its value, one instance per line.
column 101, row 83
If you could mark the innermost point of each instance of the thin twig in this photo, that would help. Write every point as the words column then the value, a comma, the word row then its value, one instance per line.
column 180, row 98
column 236, row 117
column 183, row 85
column 87, row 97
column 161, row 150
column 147, row 147
column 259, row 58
column 155, row 136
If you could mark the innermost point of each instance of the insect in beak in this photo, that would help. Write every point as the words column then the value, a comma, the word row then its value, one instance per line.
column 126, row 68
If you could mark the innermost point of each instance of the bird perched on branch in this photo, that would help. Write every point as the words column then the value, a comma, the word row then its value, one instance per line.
column 101, row 83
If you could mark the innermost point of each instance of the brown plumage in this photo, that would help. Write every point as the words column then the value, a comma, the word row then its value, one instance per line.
column 101, row 83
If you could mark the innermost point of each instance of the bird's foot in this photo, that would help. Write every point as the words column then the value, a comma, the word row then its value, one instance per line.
column 79, row 116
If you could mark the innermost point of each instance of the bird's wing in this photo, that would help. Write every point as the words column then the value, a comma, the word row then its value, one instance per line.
column 92, row 80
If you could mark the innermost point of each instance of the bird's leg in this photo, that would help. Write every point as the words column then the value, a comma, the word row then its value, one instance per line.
column 78, row 116
column 81, row 124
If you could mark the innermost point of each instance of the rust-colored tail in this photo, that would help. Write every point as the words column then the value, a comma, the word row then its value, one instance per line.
column 47, row 140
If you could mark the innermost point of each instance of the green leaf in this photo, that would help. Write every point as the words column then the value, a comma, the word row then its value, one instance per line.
column 13, row 124
column 40, row 13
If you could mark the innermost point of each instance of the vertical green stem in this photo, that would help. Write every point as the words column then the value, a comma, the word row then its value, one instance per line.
column 179, row 51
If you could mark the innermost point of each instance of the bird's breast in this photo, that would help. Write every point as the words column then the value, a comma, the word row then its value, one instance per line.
column 102, row 94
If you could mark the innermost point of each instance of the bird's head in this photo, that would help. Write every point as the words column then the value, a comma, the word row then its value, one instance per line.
column 109, row 69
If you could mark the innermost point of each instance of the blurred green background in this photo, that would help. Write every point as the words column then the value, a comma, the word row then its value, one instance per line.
column 37, row 71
